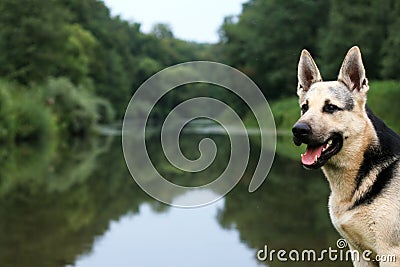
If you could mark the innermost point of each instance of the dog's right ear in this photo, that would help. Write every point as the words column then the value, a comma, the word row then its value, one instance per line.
column 307, row 73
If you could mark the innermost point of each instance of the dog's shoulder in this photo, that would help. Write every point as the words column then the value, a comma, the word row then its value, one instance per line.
column 380, row 166
column 389, row 141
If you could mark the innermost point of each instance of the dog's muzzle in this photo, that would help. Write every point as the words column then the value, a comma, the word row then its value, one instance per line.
column 301, row 133
column 319, row 150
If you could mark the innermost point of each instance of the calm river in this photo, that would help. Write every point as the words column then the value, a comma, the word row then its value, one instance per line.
column 75, row 204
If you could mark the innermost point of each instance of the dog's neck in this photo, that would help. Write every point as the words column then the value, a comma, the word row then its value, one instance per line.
column 342, row 171
column 342, row 182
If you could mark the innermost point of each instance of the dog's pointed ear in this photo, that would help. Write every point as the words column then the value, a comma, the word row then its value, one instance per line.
column 307, row 73
column 352, row 72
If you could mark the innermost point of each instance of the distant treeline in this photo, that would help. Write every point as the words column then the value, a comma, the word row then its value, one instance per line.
column 49, row 46
column 265, row 41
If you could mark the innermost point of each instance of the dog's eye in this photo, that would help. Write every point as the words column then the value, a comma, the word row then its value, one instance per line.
column 304, row 108
column 330, row 108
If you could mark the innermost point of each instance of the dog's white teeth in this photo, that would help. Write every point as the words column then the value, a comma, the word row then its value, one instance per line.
column 316, row 158
column 325, row 147
column 301, row 155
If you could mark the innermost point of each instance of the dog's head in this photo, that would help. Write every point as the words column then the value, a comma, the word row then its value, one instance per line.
column 332, row 113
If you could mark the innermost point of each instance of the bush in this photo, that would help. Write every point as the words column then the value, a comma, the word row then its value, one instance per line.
column 40, row 112
column 76, row 109
column 33, row 120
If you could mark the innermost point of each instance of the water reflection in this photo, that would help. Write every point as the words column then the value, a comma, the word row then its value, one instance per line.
column 172, row 238
column 54, row 203
column 75, row 204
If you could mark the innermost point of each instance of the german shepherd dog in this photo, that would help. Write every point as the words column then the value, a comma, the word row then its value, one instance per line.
column 358, row 154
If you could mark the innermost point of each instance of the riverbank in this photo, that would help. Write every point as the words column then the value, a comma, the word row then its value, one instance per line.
column 44, row 111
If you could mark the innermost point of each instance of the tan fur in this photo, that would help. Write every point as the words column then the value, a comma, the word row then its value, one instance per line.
column 375, row 226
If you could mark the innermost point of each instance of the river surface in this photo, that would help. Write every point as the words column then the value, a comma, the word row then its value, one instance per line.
column 76, row 204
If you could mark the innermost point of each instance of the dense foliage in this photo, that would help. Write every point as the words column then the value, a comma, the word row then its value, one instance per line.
column 77, row 64
column 266, row 39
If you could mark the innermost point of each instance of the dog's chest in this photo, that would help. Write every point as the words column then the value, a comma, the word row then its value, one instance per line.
column 352, row 225
column 343, row 224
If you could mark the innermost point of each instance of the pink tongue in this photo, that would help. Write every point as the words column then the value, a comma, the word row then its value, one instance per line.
column 308, row 158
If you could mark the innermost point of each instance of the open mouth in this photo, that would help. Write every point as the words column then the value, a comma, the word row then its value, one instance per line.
column 317, row 155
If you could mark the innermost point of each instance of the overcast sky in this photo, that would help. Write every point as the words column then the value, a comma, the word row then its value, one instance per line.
column 192, row 20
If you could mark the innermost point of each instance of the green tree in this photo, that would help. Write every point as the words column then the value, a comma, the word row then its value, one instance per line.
column 112, row 66
column 161, row 30
column 362, row 23
column 79, row 53
column 31, row 39
column 266, row 40
column 390, row 47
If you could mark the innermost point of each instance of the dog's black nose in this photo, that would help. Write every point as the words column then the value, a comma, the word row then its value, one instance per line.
column 301, row 130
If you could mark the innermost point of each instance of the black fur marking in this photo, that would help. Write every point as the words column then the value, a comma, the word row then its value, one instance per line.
column 349, row 104
column 370, row 161
column 382, row 180
column 389, row 141
column 376, row 155
column 343, row 95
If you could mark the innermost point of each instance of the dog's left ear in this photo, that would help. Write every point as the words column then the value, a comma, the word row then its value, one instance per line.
column 352, row 72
